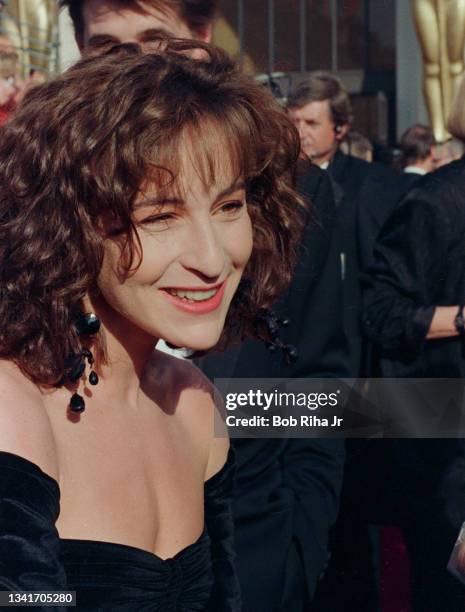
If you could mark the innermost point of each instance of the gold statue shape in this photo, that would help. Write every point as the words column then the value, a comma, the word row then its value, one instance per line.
column 31, row 26
column 440, row 27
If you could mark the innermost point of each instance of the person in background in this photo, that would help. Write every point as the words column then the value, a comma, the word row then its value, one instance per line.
column 99, row 23
column 448, row 152
column 358, row 145
column 9, row 78
column 8, row 89
column 365, row 193
column 6, row 46
column 413, row 312
column 418, row 147
column 12, row 86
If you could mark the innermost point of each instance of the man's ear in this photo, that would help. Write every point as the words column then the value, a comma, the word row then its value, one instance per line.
column 432, row 158
column 341, row 131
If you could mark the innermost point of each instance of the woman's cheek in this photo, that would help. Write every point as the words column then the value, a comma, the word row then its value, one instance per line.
column 245, row 239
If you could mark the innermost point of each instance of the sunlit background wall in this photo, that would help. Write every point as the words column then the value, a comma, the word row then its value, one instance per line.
column 370, row 44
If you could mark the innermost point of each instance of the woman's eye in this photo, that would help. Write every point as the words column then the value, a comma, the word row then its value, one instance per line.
column 232, row 207
column 158, row 219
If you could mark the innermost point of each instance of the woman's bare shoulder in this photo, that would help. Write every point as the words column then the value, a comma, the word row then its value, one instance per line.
column 25, row 428
column 183, row 388
column 178, row 379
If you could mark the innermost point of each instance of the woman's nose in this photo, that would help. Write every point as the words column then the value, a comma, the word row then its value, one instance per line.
column 204, row 251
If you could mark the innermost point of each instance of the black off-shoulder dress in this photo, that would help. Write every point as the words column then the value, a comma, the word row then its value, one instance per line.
column 109, row 576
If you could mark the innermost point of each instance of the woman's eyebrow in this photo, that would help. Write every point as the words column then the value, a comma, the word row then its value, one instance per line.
column 159, row 202
column 178, row 201
column 235, row 186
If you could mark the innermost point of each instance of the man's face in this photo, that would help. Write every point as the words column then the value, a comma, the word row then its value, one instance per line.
column 107, row 22
column 430, row 162
column 317, row 131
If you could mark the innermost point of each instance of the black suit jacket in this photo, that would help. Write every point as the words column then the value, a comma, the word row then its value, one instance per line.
column 288, row 489
column 418, row 265
column 365, row 196
column 407, row 180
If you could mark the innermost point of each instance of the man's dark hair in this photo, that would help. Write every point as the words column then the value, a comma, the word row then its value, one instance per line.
column 322, row 86
column 416, row 143
column 197, row 13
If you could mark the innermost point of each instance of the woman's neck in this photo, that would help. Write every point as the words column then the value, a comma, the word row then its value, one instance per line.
column 127, row 351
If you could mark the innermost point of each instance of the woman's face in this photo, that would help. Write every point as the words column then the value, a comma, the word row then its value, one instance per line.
column 196, row 242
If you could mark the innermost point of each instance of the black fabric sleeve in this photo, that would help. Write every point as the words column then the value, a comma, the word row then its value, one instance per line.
column 29, row 542
column 313, row 470
column 379, row 195
column 220, row 526
column 407, row 274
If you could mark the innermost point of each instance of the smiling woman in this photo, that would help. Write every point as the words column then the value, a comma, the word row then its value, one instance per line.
column 142, row 196
column 195, row 232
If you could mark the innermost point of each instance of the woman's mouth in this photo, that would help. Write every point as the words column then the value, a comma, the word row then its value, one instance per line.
column 195, row 300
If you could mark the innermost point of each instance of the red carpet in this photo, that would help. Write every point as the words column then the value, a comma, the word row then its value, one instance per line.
column 395, row 572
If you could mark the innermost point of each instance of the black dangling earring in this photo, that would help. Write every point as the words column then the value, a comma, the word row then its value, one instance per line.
column 77, row 403
column 87, row 324
column 75, row 367
column 93, row 376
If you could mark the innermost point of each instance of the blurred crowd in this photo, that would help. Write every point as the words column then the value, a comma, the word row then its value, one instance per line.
column 399, row 232
column 12, row 85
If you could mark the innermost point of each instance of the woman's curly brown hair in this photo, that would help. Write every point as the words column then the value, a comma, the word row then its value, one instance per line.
column 81, row 146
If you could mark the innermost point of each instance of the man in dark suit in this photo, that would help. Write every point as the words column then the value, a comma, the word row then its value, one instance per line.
column 417, row 144
column 364, row 193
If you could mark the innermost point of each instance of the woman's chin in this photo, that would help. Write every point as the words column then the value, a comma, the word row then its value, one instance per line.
column 193, row 344
column 195, row 338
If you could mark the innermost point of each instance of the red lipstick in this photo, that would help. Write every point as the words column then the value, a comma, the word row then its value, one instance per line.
column 202, row 307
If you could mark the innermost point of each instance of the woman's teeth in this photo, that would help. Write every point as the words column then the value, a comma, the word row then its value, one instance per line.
column 193, row 296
